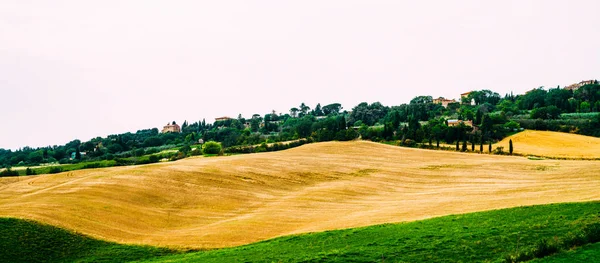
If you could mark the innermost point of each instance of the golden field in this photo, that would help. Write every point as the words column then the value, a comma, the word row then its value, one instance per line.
column 553, row 144
column 228, row 201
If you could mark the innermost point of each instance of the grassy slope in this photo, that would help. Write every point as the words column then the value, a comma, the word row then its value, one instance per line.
column 237, row 200
column 553, row 144
column 476, row 237
column 585, row 254
column 27, row 241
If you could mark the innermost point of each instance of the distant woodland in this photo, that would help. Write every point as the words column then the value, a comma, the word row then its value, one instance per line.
column 481, row 116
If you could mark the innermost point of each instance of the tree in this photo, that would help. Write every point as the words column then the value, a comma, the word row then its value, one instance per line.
column 369, row 114
column 481, row 145
column 464, row 146
column 294, row 112
column 211, row 147
column 510, row 146
column 545, row 113
column 490, row 147
column 303, row 109
column 421, row 100
column 318, row 111
column 457, row 147
column 534, row 98
column 584, row 107
column 77, row 154
column 333, row 108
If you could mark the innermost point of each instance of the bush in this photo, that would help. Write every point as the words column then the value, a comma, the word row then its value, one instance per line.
column 185, row 149
column 9, row 172
column 512, row 125
column 55, row 170
column 29, row 171
column 153, row 158
column 152, row 150
column 499, row 150
column 211, row 147
column 177, row 156
column 91, row 165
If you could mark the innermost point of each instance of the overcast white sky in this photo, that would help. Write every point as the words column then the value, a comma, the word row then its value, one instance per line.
column 81, row 69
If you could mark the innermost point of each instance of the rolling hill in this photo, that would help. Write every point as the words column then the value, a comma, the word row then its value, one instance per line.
column 554, row 144
column 491, row 236
column 229, row 201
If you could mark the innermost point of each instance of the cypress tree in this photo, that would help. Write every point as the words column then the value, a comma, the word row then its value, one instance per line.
column 510, row 146
column 456, row 145
column 77, row 154
column 490, row 147
column 481, row 145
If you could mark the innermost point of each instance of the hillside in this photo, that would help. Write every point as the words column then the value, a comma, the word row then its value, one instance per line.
column 489, row 236
column 554, row 144
column 229, row 201
column 27, row 241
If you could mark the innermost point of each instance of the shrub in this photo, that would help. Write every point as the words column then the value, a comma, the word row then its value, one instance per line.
column 29, row 171
column 211, row 147
column 177, row 156
column 592, row 232
column 55, row 170
column 185, row 149
column 409, row 143
column 512, row 125
column 545, row 248
column 91, row 165
column 152, row 150
column 9, row 172
column 153, row 158
column 499, row 150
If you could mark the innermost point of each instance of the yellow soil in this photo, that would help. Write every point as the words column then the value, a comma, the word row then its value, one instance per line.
column 235, row 200
column 553, row 144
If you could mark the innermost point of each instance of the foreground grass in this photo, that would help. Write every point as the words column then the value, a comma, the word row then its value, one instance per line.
column 27, row 241
column 492, row 236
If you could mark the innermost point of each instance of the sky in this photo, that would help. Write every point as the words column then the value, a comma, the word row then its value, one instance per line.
column 83, row 69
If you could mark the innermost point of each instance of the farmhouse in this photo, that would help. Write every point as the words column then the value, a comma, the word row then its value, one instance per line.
column 174, row 127
column 464, row 98
column 452, row 123
column 576, row 86
column 443, row 101
column 225, row 118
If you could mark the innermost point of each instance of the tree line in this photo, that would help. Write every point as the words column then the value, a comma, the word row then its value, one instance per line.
column 419, row 121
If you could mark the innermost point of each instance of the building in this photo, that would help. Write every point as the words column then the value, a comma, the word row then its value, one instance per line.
column 464, row 96
column 576, row 86
column 443, row 101
column 452, row 123
column 171, row 128
column 225, row 118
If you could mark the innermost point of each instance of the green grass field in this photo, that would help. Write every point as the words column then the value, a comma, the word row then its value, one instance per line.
column 28, row 241
column 477, row 237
